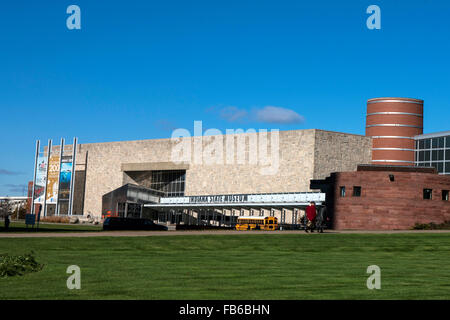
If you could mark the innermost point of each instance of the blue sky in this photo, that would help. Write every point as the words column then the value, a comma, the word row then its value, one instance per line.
column 138, row 69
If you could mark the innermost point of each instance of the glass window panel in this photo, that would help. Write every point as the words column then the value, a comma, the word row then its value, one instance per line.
column 421, row 144
column 434, row 155
column 427, row 143
column 427, row 156
column 441, row 155
column 447, row 167
column 356, row 191
column 445, row 195
column 441, row 142
column 447, row 154
column 427, row 194
column 434, row 143
column 421, row 155
column 342, row 191
column 447, row 142
column 440, row 167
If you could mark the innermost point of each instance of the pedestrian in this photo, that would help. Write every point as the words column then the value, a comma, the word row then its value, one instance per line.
column 6, row 222
column 311, row 215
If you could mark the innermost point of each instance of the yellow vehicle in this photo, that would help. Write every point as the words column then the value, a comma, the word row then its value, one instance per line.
column 257, row 223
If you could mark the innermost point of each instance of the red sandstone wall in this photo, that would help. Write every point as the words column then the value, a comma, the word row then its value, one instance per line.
column 386, row 205
column 393, row 122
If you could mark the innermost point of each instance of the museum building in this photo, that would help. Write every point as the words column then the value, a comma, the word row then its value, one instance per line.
column 369, row 181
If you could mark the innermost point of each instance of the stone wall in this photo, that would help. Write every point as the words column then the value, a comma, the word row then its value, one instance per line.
column 335, row 152
column 388, row 205
column 303, row 155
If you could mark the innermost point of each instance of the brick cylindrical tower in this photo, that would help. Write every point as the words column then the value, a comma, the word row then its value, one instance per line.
column 393, row 123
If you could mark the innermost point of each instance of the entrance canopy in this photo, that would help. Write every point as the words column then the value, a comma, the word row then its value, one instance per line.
column 266, row 200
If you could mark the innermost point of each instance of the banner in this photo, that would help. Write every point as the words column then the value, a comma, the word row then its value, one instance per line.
column 53, row 177
column 41, row 171
column 65, row 178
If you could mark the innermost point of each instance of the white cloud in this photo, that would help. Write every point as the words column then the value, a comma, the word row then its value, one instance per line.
column 267, row 114
column 271, row 114
column 233, row 114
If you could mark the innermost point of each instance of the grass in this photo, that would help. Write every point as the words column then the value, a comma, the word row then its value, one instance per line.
column 50, row 227
column 289, row 266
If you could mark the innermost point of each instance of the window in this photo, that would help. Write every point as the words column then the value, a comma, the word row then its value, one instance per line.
column 434, row 143
column 169, row 181
column 445, row 195
column 421, row 155
column 427, row 194
column 357, row 191
column 342, row 191
column 427, row 143
column 438, row 155
column 434, row 155
column 421, row 144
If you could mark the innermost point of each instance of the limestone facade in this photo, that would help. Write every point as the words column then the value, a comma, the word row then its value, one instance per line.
column 215, row 165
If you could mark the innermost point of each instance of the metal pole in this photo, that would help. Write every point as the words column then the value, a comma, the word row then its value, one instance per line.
column 72, row 180
column 61, row 152
column 34, row 175
column 49, row 150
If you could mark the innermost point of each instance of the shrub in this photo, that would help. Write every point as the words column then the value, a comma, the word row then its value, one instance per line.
column 55, row 219
column 432, row 226
column 18, row 265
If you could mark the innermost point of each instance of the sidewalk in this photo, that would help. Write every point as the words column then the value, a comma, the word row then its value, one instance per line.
column 186, row 233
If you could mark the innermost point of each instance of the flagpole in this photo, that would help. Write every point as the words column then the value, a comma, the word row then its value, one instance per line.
column 61, row 152
column 49, row 150
column 36, row 155
column 72, row 180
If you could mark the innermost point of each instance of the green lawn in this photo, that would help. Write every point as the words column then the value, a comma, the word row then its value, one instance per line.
column 290, row 266
column 49, row 227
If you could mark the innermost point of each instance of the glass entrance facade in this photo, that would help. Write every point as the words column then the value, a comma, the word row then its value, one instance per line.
column 433, row 150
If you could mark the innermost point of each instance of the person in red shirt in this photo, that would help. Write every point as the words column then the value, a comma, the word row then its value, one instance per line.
column 311, row 215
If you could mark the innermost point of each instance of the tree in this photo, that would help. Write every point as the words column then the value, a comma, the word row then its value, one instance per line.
column 6, row 208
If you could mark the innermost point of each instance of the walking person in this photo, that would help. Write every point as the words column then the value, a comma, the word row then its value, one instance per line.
column 311, row 216
column 6, row 222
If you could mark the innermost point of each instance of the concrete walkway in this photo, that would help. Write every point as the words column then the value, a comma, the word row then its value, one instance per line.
column 189, row 233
